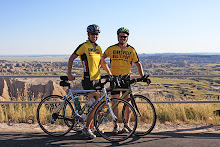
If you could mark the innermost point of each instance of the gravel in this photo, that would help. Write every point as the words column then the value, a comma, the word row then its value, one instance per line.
column 26, row 127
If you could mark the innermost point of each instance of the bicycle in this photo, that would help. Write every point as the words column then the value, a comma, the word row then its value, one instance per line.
column 57, row 116
column 144, row 107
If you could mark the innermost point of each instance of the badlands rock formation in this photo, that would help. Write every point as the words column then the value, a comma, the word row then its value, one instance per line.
column 14, row 89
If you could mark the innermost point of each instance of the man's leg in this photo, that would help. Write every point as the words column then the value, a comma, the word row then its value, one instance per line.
column 127, row 112
column 115, row 94
column 115, row 110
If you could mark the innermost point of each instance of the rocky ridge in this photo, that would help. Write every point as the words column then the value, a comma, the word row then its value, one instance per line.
column 11, row 89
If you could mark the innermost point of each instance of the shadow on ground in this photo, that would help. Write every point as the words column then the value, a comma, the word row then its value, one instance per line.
column 167, row 138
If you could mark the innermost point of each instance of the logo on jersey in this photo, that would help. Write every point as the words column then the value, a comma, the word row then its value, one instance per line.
column 93, row 51
column 121, row 54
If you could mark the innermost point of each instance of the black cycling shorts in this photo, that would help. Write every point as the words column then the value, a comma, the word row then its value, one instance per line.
column 89, row 85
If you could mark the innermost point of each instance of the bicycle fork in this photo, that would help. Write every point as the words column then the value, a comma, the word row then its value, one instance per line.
column 134, row 104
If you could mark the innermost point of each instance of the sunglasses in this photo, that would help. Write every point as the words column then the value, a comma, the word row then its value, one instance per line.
column 123, row 36
column 94, row 33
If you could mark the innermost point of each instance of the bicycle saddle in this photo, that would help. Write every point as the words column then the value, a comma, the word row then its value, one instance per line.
column 64, row 82
column 64, row 78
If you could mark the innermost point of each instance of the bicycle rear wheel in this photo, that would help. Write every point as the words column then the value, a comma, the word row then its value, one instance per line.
column 104, row 122
column 147, row 120
column 53, row 121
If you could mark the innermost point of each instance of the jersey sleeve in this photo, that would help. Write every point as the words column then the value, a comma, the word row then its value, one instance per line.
column 107, row 52
column 79, row 50
column 135, row 58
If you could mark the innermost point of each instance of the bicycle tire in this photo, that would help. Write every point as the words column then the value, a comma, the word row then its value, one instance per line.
column 52, row 123
column 104, row 123
column 147, row 120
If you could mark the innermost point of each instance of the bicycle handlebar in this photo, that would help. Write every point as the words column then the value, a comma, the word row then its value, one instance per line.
column 115, row 80
column 145, row 78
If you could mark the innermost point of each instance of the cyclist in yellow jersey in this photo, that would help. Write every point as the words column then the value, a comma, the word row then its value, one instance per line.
column 90, row 55
column 121, row 56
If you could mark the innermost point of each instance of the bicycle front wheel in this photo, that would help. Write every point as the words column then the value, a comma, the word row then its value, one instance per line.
column 147, row 118
column 53, row 117
column 104, row 123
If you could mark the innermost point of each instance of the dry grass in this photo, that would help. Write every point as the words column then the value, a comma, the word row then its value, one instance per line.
column 18, row 112
column 166, row 113
column 187, row 113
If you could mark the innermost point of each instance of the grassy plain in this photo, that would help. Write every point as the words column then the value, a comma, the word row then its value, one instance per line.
column 193, row 88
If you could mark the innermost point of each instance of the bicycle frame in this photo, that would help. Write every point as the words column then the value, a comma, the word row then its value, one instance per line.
column 72, row 93
column 66, row 114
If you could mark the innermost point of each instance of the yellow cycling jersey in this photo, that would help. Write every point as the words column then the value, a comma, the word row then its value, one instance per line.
column 90, row 59
column 121, row 60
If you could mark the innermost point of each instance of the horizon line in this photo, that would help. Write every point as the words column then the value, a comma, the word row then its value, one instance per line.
column 197, row 53
column 35, row 55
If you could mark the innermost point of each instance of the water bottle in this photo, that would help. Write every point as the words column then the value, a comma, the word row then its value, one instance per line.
column 77, row 103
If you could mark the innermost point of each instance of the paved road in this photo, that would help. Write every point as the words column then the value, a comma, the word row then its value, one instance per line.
column 184, row 138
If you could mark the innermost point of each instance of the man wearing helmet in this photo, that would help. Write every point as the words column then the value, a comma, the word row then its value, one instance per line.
column 90, row 55
column 122, row 55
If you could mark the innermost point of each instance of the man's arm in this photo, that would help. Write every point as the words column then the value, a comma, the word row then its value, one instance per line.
column 70, row 65
column 139, row 68
column 104, row 64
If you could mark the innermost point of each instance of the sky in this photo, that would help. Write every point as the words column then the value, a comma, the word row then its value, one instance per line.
column 57, row 27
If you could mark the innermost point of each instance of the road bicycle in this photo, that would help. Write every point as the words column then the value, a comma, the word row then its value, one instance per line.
column 57, row 116
column 144, row 107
